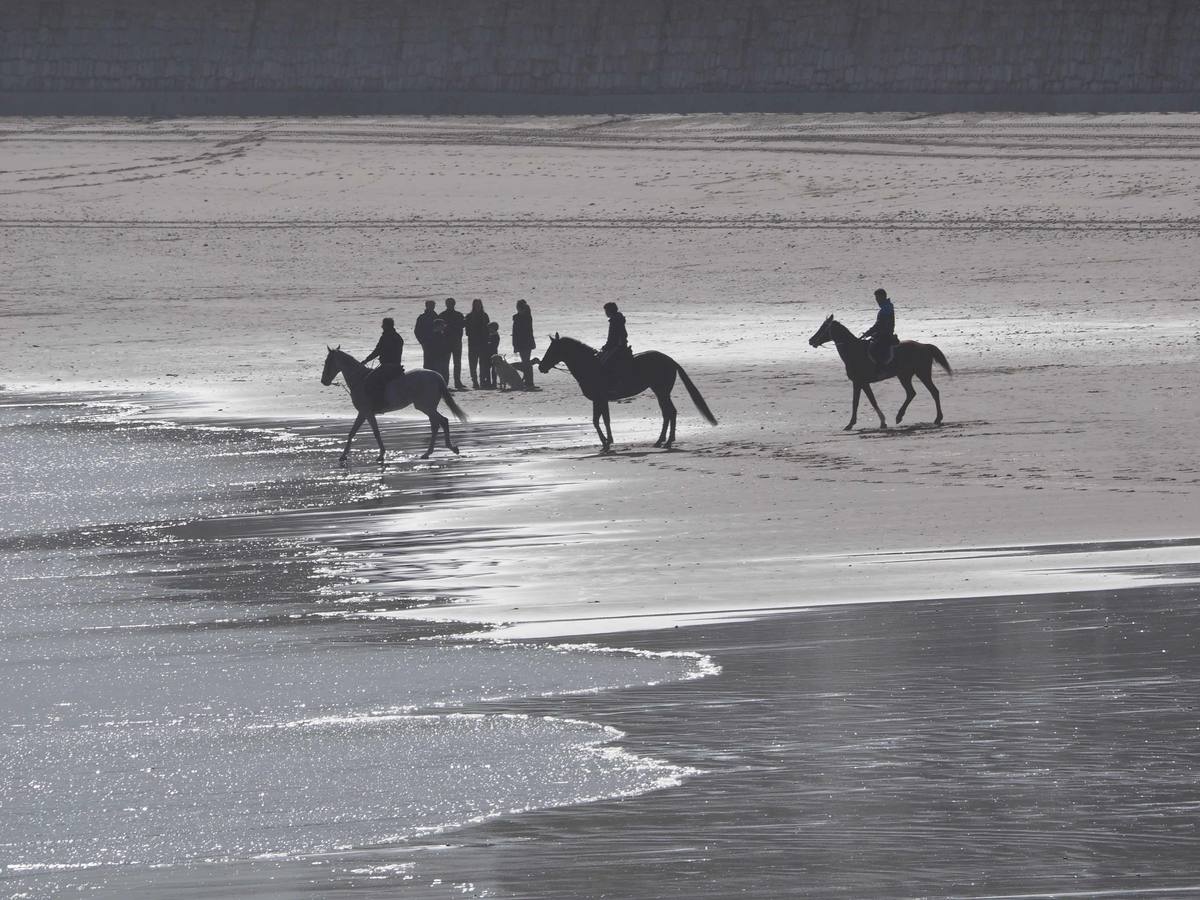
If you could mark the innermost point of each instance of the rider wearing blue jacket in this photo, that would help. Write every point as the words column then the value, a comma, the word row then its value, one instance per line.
column 883, row 332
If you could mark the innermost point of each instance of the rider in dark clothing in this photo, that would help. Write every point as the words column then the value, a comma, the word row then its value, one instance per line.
column 389, row 352
column 615, row 354
column 455, row 324
column 390, row 348
column 883, row 332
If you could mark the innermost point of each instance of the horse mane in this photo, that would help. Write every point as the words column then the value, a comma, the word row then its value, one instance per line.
column 575, row 342
column 338, row 351
column 835, row 324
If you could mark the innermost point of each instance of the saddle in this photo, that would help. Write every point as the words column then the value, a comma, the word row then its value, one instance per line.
column 377, row 382
column 888, row 354
column 618, row 373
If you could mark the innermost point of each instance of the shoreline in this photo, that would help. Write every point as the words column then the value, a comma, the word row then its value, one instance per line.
column 1063, row 463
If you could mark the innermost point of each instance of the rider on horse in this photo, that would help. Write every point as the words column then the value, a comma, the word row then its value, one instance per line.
column 390, row 348
column 616, row 354
column 389, row 351
column 883, row 332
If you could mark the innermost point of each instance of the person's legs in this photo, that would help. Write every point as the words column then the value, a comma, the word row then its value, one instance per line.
column 526, row 368
column 456, row 353
column 473, row 365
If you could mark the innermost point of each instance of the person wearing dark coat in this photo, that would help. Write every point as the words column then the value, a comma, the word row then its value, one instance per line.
column 883, row 332
column 615, row 354
column 478, row 359
column 390, row 349
column 437, row 350
column 522, row 338
column 492, row 348
column 455, row 324
column 424, row 330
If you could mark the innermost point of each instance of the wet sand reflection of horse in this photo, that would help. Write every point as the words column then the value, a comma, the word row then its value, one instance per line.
column 910, row 358
column 419, row 387
column 650, row 370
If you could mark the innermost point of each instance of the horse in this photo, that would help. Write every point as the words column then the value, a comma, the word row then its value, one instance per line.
column 651, row 369
column 909, row 358
column 420, row 387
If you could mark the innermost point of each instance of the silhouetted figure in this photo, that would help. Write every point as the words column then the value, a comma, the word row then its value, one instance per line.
column 476, row 325
column 522, row 338
column 455, row 324
column 437, row 350
column 493, row 348
column 883, row 332
column 389, row 351
column 424, row 331
column 615, row 355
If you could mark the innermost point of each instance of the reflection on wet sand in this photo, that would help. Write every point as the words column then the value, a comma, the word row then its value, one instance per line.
column 1033, row 747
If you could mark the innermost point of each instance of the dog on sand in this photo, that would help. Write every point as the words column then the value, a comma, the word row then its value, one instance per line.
column 507, row 375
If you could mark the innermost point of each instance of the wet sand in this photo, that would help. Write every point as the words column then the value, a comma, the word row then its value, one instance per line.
column 1034, row 747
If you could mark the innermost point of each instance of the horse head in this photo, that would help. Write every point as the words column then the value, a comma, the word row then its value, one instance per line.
column 824, row 333
column 331, row 369
column 553, row 355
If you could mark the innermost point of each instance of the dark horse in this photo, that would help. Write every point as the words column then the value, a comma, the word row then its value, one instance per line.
column 651, row 369
column 420, row 387
column 910, row 358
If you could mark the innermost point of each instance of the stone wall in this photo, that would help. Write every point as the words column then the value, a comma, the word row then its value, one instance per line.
column 163, row 56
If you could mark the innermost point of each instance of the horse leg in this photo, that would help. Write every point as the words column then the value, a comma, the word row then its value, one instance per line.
column 927, row 380
column 879, row 412
column 672, row 413
column 598, row 410
column 664, row 404
column 446, row 428
column 909, row 392
column 378, row 436
column 608, row 425
column 353, row 431
column 854, row 407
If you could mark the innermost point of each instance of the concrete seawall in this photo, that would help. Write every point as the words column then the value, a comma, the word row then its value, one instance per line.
column 165, row 57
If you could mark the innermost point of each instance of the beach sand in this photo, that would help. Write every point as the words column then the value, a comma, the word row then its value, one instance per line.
column 1050, row 258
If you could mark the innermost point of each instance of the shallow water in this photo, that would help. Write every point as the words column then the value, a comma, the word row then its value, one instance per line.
column 191, row 681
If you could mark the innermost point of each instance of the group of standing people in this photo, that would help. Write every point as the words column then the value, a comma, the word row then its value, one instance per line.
column 441, row 334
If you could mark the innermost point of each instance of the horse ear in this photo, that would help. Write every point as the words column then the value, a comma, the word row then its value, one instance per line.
column 828, row 317
column 327, row 347
column 556, row 335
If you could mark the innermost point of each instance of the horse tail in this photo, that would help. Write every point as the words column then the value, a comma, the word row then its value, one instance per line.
column 449, row 398
column 695, row 395
column 940, row 358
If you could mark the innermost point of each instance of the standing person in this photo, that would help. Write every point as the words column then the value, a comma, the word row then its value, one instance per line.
column 493, row 347
column 883, row 332
column 455, row 323
column 438, row 350
column 478, row 359
column 522, row 338
column 424, row 330
column 390, row 349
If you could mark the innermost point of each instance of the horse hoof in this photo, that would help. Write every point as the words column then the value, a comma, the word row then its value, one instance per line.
column 424, row 456
column 454, row 450
column 341, row 460
column 659, row 444
column 379, row 459
column 849, row 427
